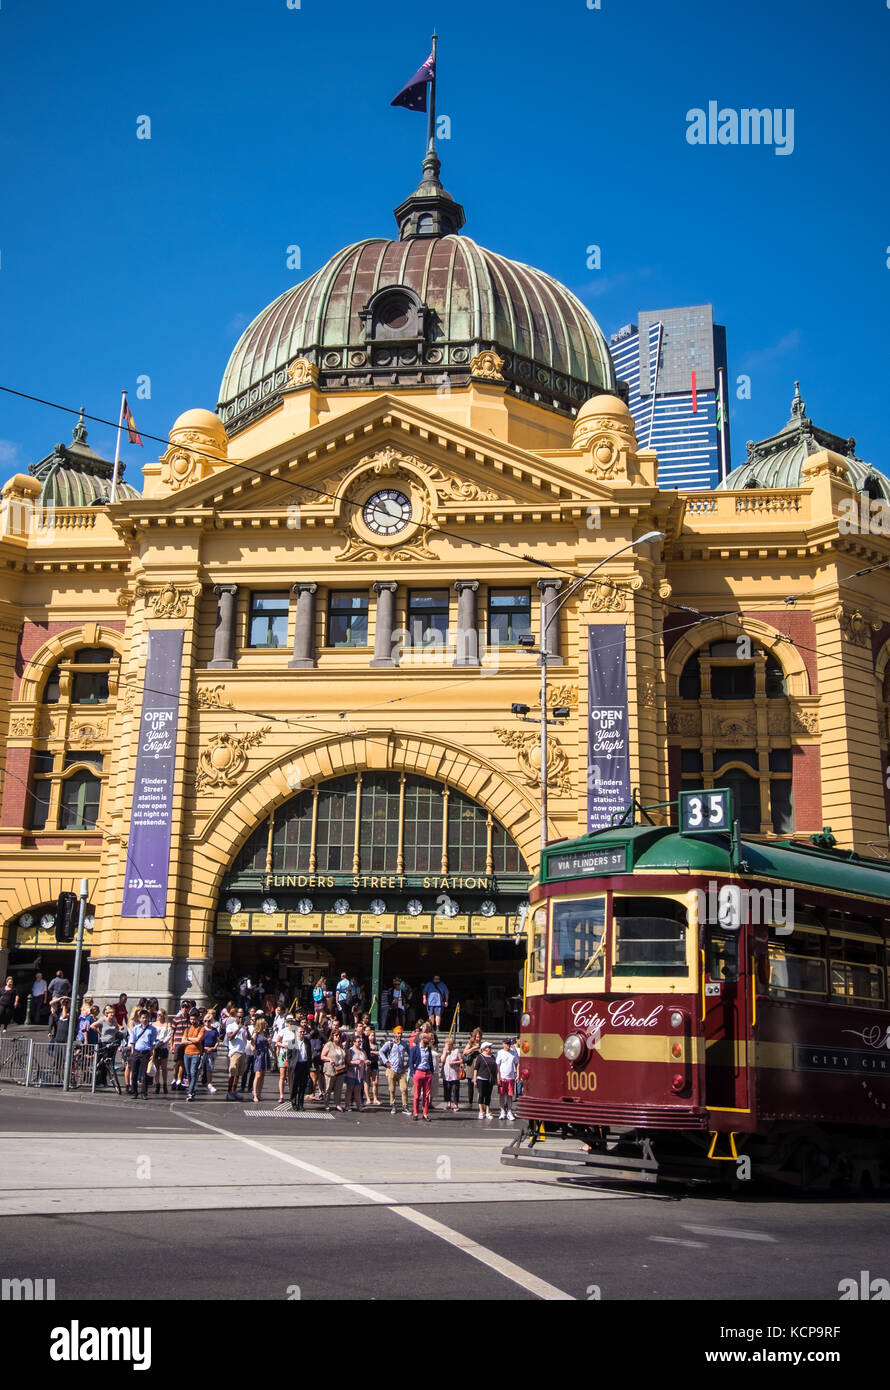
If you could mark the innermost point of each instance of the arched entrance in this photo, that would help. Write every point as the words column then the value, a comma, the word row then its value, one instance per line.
column 378, row 873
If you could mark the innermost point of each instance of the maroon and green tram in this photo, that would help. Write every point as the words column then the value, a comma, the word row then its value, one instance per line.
column 700, row 1006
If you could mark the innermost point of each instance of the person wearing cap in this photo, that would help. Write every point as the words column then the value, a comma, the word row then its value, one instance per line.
column 508, row 1073
column 486, row 1074
column 394, row 1056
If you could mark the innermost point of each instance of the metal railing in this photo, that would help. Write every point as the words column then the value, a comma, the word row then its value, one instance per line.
column 26, row 1062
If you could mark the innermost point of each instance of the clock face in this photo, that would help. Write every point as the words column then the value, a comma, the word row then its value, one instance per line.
column 415, row 907
column 304, row 906
column 378, row 906
column 341, row 905
column 387, row 513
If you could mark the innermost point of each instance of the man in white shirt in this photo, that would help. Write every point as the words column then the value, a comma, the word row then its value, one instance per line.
column 508, row 1072
column 301, row 1056
column 236, row 1037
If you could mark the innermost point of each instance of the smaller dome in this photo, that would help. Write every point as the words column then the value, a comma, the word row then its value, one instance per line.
column 74, row 475
column 198, row 419
column 611, row 410
column 779, row 461
column 604, row 405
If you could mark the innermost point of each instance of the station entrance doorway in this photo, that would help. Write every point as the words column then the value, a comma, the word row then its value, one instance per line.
column 379, row 874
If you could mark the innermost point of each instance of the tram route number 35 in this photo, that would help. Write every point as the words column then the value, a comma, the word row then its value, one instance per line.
column 705, row 812
column 580, row 1081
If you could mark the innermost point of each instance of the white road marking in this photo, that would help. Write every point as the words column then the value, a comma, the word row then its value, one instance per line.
column 672, row 1240
column 731, row 1233
column 506, row 1268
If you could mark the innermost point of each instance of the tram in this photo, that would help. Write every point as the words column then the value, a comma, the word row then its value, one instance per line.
column 699, row 1006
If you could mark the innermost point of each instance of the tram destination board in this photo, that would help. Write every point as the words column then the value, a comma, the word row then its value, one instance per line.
column 577, row 863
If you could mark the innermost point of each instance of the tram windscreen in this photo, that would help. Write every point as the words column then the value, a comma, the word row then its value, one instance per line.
column 650, row 937
column 579, row 934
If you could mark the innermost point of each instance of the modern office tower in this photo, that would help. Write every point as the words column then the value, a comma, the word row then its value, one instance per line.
column 674, row 364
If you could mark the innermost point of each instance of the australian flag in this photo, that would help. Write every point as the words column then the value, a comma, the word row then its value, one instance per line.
column 413, row 94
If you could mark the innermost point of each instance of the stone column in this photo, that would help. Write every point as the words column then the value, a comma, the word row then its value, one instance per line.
column 386, row 613
column 224, row 637
column 304, row 627
column 467, row 630
column 549, row 632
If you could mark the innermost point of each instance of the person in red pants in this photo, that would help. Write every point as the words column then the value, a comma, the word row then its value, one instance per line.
column 422, row 1066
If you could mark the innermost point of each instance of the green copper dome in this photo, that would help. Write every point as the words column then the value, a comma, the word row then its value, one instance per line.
column 414, row 313
column 74, row 475
column 778, row 462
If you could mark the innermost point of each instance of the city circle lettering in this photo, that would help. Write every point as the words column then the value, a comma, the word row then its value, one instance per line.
column 621, row 1014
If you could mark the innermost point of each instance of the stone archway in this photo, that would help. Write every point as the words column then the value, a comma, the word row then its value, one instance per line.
column 514, row 807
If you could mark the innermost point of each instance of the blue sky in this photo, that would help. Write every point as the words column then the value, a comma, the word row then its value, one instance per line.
column 270, row 126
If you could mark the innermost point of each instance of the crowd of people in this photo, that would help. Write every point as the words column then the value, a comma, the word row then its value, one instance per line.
column 327, row 1053
column 313, row 1056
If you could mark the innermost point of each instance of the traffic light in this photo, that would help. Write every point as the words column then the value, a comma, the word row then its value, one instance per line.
column 66, row 917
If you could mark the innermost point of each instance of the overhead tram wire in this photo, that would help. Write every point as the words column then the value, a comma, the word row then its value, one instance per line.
column 291, row 482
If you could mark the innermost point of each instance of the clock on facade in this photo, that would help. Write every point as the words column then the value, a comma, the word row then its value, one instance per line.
column 269, row 905
column 341, row 905
column 378, row 906
column 304, row 906
column 233, row 905
column 414, row 906
column 387, row 512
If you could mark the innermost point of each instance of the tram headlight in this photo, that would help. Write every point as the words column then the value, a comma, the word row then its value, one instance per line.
column 573, row 1048
column 676, row 1019
column 525, row 1020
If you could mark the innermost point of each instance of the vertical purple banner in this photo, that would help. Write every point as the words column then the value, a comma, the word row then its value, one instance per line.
column 148, row 848
column 608, row 763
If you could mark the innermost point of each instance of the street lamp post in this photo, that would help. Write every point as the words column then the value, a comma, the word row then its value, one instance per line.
column 546, row 655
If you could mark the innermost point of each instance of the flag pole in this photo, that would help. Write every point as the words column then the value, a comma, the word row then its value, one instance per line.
column 117, row 450
column 431, row 120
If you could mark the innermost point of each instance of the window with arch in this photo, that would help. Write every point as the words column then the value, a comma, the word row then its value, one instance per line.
column 380, row 822
column 71, row 754
column 739, row 735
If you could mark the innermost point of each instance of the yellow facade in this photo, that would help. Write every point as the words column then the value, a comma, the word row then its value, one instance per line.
column 503, row 493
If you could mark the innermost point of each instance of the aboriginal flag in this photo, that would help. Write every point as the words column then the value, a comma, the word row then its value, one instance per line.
column 132, row 432
column 413, row 94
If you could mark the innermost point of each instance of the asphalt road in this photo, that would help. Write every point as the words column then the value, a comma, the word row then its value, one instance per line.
column 361, row 1207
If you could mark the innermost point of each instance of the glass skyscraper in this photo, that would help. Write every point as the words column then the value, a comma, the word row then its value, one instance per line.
column 674, row 364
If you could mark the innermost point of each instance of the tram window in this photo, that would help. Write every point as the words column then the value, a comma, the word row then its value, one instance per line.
column 723, row 957
column 650, row 937
column 537, row 961
column 797, row 965
column 857, row 976
column 579, row 933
